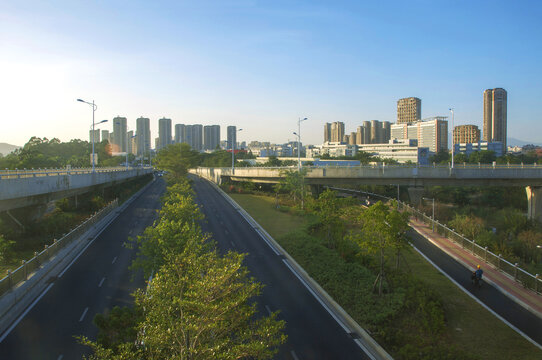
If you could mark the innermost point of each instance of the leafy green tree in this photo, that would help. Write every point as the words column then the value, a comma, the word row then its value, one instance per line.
column 461, row 158
column 6, row 249
column 382, row 229
column 327, row 208
column 176, row 159
column 442, row 157
column 470, row 226
column 292, row 182
column 483, row 157
column 273, row 161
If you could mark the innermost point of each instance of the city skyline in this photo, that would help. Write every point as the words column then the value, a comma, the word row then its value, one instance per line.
column 262, row 66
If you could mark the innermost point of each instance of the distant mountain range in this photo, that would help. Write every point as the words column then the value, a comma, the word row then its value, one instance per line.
column 7, row 148
column 516, row 142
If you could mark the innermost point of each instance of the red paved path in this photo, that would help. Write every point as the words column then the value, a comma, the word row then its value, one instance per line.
column 506, row 284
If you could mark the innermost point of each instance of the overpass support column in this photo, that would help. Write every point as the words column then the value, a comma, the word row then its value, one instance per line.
column 415, row 195
column 316, row 190
column 534, row 202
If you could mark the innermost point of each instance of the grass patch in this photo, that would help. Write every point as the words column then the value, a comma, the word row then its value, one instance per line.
column 469, row 328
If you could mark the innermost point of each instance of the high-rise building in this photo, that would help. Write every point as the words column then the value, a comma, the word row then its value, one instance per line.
column 105, row 135
column 495, row 113
column 180, row 133
column 96, row 136
column 366, row 132
column 327, row 132
column 466, row 134
column 197, row 137
column 130, row 145
column 337, row 131
column 143, row 138
column 164, row 133
column 232, row 137
column 211, row 137
column 119, row 134
column 431, row 133
column 352, row 138
column 376, row 132
column 409, row 110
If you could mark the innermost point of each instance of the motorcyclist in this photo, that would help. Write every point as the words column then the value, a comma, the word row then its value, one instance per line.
column 477, row 276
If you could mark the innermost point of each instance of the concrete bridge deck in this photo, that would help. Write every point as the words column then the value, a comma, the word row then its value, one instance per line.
column 20, row 188
column 415, row 177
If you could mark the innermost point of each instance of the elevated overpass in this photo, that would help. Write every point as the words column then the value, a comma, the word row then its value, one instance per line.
column 21, row 188
column 412, row 176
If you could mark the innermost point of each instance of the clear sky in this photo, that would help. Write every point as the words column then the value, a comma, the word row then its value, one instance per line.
column 260, row 65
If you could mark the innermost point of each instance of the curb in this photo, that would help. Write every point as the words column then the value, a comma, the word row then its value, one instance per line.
column 18, row 301
column 364, row 340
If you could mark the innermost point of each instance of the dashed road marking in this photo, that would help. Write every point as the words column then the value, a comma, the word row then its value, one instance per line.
column 101, row 282
column 268, row 309
column 232, row 244
column 60, row 357
column 114, row 259
column 294, row 355
column 83, row 315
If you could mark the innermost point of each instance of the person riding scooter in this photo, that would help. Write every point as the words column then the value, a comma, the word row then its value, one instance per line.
column 476, row 276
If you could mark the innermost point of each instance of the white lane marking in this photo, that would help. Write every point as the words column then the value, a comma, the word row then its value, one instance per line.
column 476, row 299
column 226, row 231
column 101, row 282
column 83, row 315
column 294, row 355
column 232, row 244
column 60, row 357
column 6, row 333
column 82, row 251
column 114, row 259
column 316, row 296
column 268, row 309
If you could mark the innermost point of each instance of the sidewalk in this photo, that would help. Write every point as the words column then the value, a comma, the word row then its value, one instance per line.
column 514, row 290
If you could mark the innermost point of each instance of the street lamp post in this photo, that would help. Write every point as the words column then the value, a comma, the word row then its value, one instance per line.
column 233, row 152
column 432, row 217
column 453, row 145
column 94, row 107
column 299, row 120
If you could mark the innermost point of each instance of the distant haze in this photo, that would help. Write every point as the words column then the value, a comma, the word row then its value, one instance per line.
column 7, row 148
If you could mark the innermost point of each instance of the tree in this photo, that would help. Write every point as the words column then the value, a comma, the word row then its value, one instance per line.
column 327, row 208
column 292, row 182
column 382, row 228
column 470, row 226
column 176, row 159
column 442, row 157
column 6, row 249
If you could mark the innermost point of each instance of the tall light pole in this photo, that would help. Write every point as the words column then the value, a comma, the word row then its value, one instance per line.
column 453, row 146
column 94, row 107
column 432, row 217
column 299, row 120
column 233, row 151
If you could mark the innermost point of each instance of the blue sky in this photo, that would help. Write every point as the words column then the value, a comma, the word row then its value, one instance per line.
column 262, row 64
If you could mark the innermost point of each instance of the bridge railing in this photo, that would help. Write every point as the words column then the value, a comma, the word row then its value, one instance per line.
column 26, row 173
column 528, row 280
column 23, row 272
column 380, row 165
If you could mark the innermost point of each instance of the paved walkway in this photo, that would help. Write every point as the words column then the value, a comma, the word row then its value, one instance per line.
column 504, row 283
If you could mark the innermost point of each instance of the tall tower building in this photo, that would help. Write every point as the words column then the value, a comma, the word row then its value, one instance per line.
column 366, row 132
column 180, row 133
column 337, row 131
column 495, row 113
column 232, row 137
column 197, row 137
column 211, row 137
column 327, row 132
column 143, row 137
column 409, row 110
column 105, row 135
column 119, row 134
column 466, row 134
column 96, row 136
column 164, row 133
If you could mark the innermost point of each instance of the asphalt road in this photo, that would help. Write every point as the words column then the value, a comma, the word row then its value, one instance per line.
column 312, row 332
column 515, row 314
column 98, row 280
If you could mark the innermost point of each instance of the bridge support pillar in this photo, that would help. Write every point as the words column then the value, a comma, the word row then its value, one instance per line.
column 415, row 195
column 316, row 190
column 534, row 202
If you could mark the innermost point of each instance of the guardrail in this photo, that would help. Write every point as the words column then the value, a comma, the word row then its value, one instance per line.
column 27, row 173
column 22, row 273
column 528, row 280
column 387, row 166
